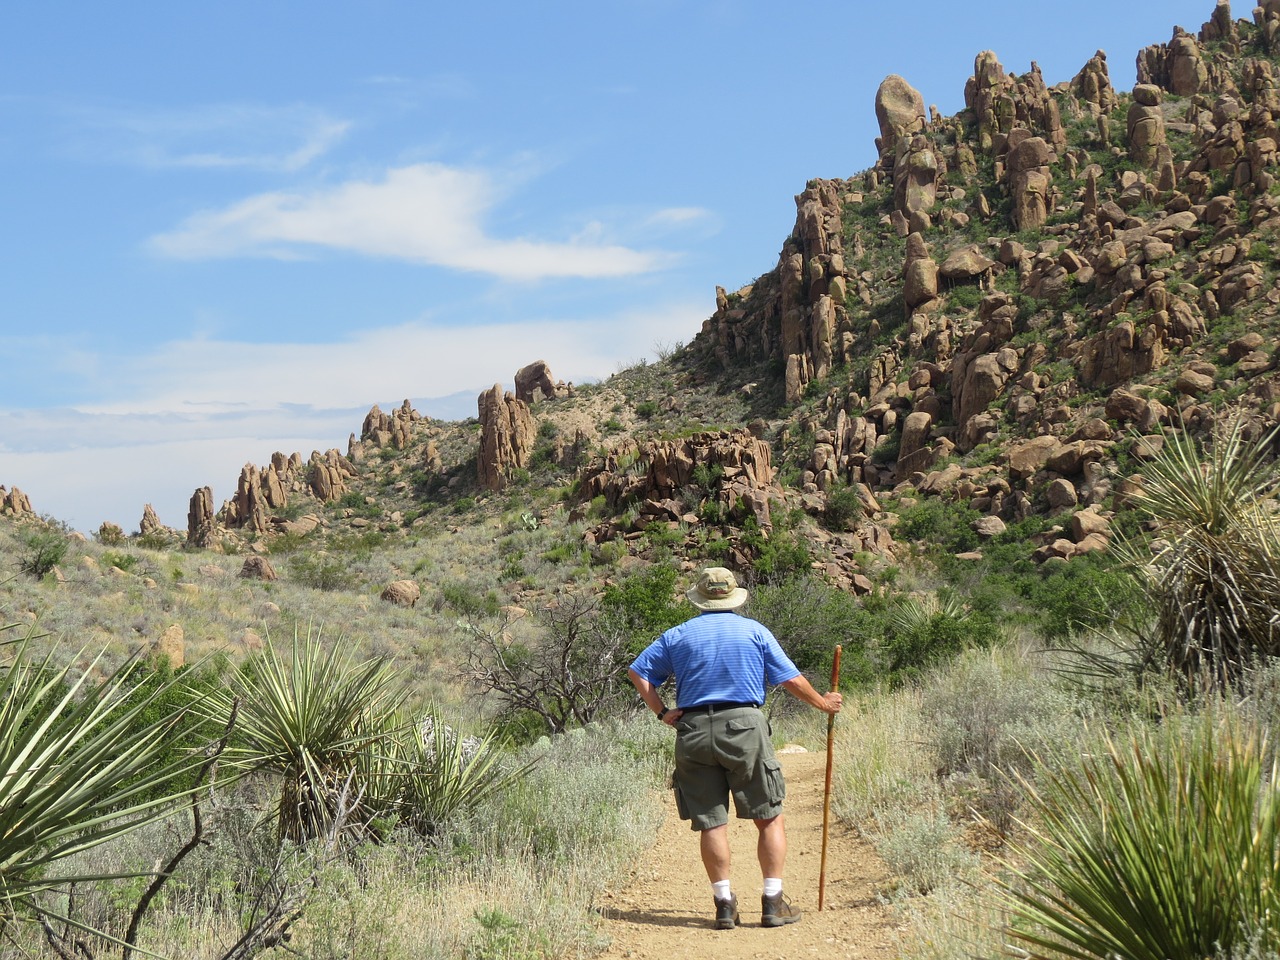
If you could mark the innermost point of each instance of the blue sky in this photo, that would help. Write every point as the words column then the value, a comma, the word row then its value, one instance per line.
column 228, row 229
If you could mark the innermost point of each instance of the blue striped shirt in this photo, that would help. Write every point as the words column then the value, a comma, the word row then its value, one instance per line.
column 716, row 658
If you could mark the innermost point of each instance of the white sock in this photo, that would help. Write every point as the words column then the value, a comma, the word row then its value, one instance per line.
column 772, row 886
column 720, row 890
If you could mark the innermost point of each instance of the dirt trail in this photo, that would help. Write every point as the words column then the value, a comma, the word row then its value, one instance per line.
column 666, row 911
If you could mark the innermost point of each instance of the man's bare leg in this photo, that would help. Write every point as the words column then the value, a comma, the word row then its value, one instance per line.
column 771, row 846
column 714, row 844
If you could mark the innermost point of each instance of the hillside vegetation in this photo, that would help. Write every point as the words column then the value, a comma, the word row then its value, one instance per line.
column 1001, row 421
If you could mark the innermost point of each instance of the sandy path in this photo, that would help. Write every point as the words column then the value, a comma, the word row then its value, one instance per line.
column 666, row 911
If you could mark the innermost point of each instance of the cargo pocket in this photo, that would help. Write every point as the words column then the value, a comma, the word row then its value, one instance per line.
column 681, row 806
column 774, row 783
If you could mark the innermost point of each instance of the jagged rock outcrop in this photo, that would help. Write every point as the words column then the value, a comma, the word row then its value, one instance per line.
column 258, row 491
column 390, row 429
column 916, row 172
column 328, row 474
column 1220, row 25
column 900, row 113
column 1001, row 102
column 507, row 432
column 150, row 525
column 919, row 274
column 672, row 479
column 201, row 521
column 14, row 503
column 1092, row 86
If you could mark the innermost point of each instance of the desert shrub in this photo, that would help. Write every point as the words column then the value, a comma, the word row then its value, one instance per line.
column 321, row 572
column 645, row 605
column 923, row 848
column 468, row 602
column 121, row 561
column 777, row 556
column 942, row 526
column 305, row 719
column 964, row 296
column 843, row 508
column 923, row 630
column 1086, row 594
column 809, row 618
column 42, row 550
column 567, row 668
column 79, row 766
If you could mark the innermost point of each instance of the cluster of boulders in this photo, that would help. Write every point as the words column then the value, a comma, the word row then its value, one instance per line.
column 393, row 429
column 14, row 503
column 1160, row 252
column 670, row 480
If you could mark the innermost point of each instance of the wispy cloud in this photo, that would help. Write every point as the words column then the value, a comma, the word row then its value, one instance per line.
column 217, row 136
column 427, row 213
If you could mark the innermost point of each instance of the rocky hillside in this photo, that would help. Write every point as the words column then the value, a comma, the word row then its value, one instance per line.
column 1009, row 311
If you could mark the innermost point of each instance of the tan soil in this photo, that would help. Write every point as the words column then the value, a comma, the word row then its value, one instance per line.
column 667, row 910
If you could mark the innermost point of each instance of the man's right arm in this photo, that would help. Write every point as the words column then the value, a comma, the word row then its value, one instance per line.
column 649, row 694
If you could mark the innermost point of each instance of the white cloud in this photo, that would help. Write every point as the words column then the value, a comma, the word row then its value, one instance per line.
column 198, row 410
column 680, row 215
column 231, row 136
column 426, row 213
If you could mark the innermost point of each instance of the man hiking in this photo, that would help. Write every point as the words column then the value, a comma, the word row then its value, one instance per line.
column 722, row 664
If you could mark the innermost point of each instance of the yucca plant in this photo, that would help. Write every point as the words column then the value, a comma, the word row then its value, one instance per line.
column 1158, row 846
column 306, row 720
column 1213, row 586
column 440, row 773
column 78, row 767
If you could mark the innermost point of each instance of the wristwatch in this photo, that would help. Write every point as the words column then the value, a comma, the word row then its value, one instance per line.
column 663, row 712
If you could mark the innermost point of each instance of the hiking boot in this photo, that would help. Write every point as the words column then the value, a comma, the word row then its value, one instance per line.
column 777, row 911
column 727, row 913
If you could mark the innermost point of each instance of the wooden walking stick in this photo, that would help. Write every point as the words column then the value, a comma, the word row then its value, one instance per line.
column 826, row 789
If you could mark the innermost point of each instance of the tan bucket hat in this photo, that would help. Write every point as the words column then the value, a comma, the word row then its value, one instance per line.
column 716, row 589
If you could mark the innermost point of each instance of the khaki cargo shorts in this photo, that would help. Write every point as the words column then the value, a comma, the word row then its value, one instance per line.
column 723, row 752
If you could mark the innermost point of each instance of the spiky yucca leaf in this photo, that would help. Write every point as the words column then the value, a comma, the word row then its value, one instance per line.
column 441, row 774
column 78, row 767
column 307, row 719
column 1162, row 846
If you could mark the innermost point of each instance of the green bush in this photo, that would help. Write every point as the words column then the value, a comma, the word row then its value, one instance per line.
column 843, row 508
column 942, row 526
column 645, row 604
column 321, row 572
column 42, row 550
column 809, row 617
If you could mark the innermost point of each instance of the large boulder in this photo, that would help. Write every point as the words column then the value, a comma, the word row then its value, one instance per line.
column 532, row 378
column 1030, row 182
column 403, row 593
column 899, row 111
